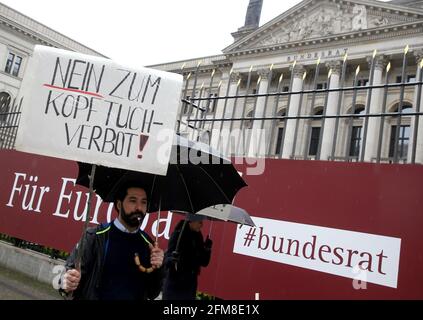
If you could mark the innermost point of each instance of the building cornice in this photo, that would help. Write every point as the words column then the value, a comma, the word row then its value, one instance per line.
column 203, row 64
column 38, row 32
column 377, row 8
column 393, row 31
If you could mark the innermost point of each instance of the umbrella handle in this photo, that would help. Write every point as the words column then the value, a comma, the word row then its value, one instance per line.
column 140, row 266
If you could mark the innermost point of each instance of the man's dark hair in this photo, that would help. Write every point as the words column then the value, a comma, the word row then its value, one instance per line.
column 122, row 192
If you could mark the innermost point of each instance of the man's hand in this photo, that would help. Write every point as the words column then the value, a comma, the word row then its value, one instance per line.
column 156, row 256
column 71, row 280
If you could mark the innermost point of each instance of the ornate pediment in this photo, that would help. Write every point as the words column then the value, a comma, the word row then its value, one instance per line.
column 319, row 19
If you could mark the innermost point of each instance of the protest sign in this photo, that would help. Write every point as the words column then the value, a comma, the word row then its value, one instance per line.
column 93, row 110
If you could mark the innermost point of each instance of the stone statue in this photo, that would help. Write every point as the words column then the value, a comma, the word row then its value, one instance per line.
column 275, row 39
column 359, row 21
column 379, row 22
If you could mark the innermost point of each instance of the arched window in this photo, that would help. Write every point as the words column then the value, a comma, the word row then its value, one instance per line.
column 360, row 110
column 406, row 108
column 4, row 105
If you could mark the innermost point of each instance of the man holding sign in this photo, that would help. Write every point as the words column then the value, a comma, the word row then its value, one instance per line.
column 93, row 110
column 119, row 261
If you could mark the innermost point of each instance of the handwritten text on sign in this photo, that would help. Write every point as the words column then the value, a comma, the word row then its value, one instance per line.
column 93, row 110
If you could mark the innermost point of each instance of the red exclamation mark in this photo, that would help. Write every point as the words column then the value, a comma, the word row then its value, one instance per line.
column 143, row 142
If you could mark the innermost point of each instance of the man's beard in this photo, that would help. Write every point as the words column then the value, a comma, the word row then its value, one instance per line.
column 133, row 219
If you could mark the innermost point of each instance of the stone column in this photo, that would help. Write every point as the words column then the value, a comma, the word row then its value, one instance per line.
column 215, row 134
column 227, row 111
column 419, row 139
column 294, row 105
column 333, row 98
column 375, row 107
column 257, row 146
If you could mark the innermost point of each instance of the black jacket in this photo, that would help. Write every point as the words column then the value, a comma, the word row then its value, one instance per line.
column 93, row 258
column 182, row 270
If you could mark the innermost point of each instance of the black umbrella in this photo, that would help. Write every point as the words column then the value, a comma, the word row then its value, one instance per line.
column 197, row 177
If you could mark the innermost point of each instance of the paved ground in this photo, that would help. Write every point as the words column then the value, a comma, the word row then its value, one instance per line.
column 16, row 286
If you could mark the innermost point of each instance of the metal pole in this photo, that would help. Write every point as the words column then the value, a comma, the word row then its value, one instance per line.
column 313, row 100
column 417, row 122
column 158, row 220
column 241, row 128
column 210, row 102
column 350, row 123
column 16, row 112
column 269, row 79
column 340, row 99
column 382, row 121
column 298, row 121
column 78, row 261
column 184, row 95
column 325, row 108
column 224, row 108
column 197, row 111
column 401, row 104
column 194, row 91
column 291, row 84
column 233, row 116
column 6, row 127
column 214, row 112
column 275, row 111
column 253, row 119
column 369, row 101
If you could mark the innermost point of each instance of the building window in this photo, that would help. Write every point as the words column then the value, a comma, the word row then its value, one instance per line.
column 186, row 107
column 13, row 64
column 4, row 105
column 249, row 123
column 362, row 82
column 410, row 78
column 314, row 141
column 360, row 110
column 280, row 130
column 279, row 141
column 321, row 86
column 285, row 89
column 318, row 111
column 212, row 103
column 356, row 127
column 406, row 109
column 355, row 146
column 403, row 142
column 404, row 132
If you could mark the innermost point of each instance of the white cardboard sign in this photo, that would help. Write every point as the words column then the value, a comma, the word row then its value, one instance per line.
column 90, row 109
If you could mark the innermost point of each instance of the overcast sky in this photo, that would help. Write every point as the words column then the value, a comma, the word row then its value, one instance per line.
column 146, row 32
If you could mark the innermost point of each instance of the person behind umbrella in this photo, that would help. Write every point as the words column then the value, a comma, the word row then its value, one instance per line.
column 119, row 261
column 183, row 262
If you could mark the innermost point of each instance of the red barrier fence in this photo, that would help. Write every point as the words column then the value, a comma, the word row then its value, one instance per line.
column 325, row 230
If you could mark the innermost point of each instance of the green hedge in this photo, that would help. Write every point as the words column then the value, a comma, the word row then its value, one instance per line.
column 51, row 252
